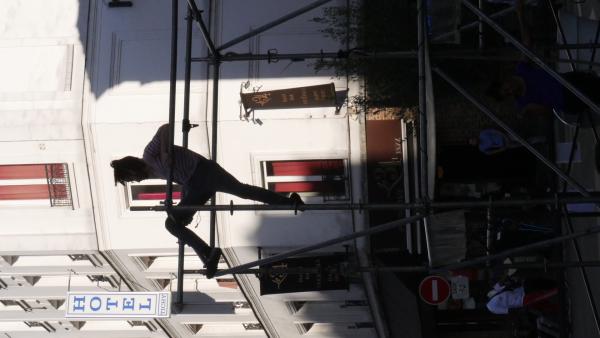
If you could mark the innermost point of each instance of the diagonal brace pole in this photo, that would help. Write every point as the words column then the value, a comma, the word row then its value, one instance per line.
column 197, row 15
column 514, row 251
column 562, row 33
column 272, row 24
column 308, row 248
column 531, row 55
column 474, row 24
column 581, row 189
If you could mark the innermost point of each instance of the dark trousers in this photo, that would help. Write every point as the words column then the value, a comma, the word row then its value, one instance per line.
column 209, row 177
column 538, row 284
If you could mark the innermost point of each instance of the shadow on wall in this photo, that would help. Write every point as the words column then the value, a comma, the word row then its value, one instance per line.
column 131, row 46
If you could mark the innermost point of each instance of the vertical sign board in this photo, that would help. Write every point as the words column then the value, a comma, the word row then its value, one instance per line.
column 434, row 290
column 118, row 305
column 300, row 97
column 329, row 276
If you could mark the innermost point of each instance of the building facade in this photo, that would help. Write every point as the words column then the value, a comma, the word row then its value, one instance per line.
column 86, row 83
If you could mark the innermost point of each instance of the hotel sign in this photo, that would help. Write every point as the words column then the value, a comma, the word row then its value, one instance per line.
column 118, row 305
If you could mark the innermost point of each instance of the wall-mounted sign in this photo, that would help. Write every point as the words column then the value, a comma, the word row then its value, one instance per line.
column 118, row 304
column 460, row 287
column 327, row 278
column 300, row 97
column 434, row 290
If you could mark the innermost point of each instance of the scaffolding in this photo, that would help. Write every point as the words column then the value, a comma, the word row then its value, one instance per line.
column 421, row 208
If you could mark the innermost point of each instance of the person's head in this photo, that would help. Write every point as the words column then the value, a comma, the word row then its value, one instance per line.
column 129, row 169
column 503, row 88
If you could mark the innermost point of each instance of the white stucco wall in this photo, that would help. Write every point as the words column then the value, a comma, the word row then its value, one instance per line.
column 42, row 65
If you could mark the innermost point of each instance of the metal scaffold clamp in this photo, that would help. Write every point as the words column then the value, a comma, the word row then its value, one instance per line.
column 272, row 55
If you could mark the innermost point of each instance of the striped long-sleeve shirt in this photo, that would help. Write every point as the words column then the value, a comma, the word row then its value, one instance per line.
column 185, row 162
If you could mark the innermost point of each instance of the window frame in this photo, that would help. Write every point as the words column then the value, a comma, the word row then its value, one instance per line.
column 68, row 181
column 260, row 162
column 130, row 202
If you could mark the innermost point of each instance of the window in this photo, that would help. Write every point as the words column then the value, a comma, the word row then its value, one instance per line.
column 150, row 193
column 35, row 184
column 325, row 178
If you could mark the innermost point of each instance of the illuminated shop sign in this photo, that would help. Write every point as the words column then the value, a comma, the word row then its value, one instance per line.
column 118, row 304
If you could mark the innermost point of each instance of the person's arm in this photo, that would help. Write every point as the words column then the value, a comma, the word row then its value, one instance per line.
column 163, row 135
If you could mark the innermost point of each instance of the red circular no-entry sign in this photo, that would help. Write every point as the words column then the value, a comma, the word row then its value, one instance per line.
column 434, row 290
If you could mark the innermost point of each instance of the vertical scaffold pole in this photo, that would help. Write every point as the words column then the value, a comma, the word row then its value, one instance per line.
column 215, row 116
column 185, row 129
column 422, row 135
column 215, row 57
column 172, row 93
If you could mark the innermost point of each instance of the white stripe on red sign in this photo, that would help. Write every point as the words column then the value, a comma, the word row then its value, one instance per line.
column 434, row 290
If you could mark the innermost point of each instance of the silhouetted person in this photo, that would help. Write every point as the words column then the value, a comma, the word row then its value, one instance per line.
column 200, row 178
column 536, row 91
column 538, row 95
column 503, row 297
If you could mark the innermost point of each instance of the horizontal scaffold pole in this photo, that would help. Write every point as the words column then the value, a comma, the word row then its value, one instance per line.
column 274, row 56
column 560, row 200
column 402, row 269
column 323, row 244
column 272, row 270
column 532, row 265
column 575, row 46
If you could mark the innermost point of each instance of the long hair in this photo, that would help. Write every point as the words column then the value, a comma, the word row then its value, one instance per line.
column 128, row 169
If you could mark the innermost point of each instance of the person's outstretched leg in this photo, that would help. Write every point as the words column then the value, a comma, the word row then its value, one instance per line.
column 188, row 237
column 225, row 182
column 178, row 220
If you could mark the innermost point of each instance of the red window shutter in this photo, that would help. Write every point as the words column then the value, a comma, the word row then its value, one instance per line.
column 227, row 283
column 24, row 192
column 297, row 186
column 156, row 196
column 59, row 191
column 22, row 171
column 57, row 170
column 305, row 168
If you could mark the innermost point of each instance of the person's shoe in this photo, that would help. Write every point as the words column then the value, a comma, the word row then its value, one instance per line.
column 212, row 262
column 296, row 200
